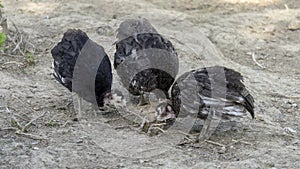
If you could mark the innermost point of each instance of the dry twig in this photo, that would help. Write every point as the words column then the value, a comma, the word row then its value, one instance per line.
column 239, row 141
column 9, row 128
column 214, row 143
column 26, row 105
column 126, row 126
column 19, row 64
column 10, row 116
column 254, row 60
column 31, row 136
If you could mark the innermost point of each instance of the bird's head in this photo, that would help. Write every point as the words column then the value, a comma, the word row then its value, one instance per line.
column 164, row 111
column 120, row 54
column 114, row 99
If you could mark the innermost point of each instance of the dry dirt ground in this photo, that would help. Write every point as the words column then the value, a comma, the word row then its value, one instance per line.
column 237, row 28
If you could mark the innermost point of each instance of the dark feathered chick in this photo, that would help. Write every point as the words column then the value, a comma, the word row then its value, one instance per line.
column 144, row 60
column 76, row 56
column 198, row 92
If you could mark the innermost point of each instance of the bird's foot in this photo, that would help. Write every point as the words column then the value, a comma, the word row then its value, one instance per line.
column 156, row 128
column 106, row 110
column 189, row 139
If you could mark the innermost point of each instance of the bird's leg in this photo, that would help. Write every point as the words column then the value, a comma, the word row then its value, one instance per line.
column 79, row 99
column 108, row 109
column 210, row 125
column 143, row 100
column 143, row 125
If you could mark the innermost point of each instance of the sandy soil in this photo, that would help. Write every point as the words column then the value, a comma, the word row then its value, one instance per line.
column 237, row 28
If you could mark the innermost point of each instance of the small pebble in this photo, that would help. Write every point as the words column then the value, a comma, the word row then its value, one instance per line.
column 36, row 108
column 29, row 96
column 286, row 106
column 249, row 53
column 290, row 102
column 222, row 150
column 290, row 130
column 79, row 141
column 294, row 25
column 294, row 105
column 35, row 143
column 270, row 29
column 35, row 148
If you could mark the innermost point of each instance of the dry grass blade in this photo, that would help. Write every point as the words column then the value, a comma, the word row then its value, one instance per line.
column 9, row 128
column 214, row 143
column 239, row 141
column 18, row 45
column 26, row 105
column 19, row 64
column 126, row 126
column 13, row 122
column 18, row 40
column 24, row 129
column 255, row 61
column 10, row 116
column 31, row 136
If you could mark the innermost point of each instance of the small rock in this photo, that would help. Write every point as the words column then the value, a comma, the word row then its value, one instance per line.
column 141, row 161
column 222, row 150
column 79, row 141
column 286, row 106
column 270, row 29
column 19, row 145
column 290, row 130
column 296, row 142
column 294, row 105
column 189, row 149
column 33, row 86
column 294, row 25
column 290, row 102
column 37, row 108
column 29, row 96
column 35, row 148
column 104, row 30
column 249, row 53
column 35, row 143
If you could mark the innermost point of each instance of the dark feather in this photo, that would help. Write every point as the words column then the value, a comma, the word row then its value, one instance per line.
column 194, row 90
column 65, row 55
column 145, row 61
column 133, row 27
